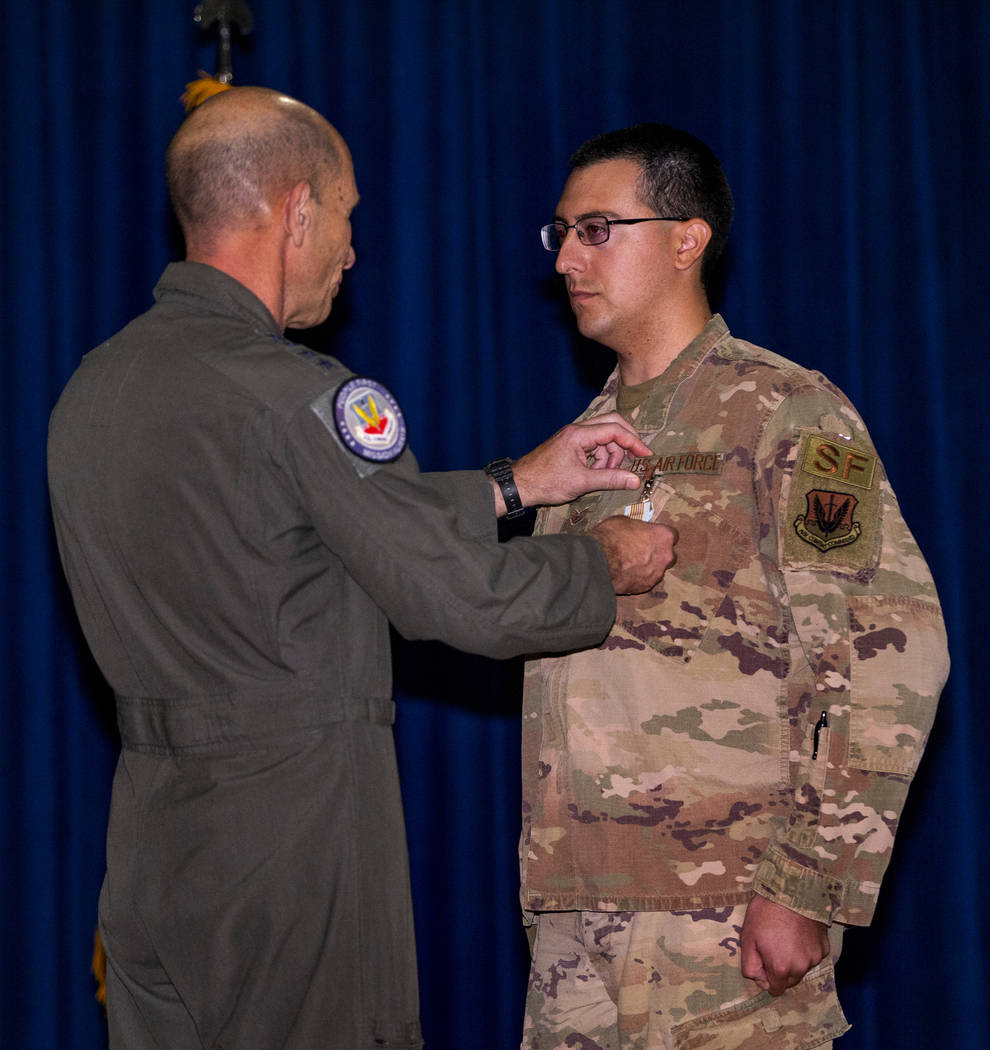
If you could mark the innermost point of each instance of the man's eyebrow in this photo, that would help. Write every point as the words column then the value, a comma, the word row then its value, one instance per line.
column 605, row 213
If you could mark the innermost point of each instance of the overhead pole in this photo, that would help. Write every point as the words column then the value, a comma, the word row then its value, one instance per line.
column 226, row 16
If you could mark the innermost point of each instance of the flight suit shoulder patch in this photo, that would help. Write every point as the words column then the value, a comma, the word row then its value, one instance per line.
column 366, row 419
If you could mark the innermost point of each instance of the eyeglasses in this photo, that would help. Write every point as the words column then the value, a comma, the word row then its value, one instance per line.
column 594, row 229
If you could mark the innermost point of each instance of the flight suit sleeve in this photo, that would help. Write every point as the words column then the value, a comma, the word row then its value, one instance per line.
column 867, row 630
column 424, row 547
column 470, row 493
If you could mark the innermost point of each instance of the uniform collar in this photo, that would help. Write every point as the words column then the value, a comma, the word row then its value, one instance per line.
column 655, row 395
column 206, row 288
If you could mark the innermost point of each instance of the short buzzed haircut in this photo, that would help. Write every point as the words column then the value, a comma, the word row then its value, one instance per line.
column 227, row 160
column 679, row 175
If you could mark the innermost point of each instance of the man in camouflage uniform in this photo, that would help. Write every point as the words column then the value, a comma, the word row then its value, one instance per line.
column 711, row 795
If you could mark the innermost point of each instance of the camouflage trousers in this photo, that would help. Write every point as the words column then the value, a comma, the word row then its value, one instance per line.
column 666, row 981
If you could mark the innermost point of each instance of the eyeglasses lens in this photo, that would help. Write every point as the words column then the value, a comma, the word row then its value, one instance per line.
column 553, row 236
column 593, row 230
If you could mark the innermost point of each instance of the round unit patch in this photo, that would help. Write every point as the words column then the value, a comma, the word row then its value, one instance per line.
column 369, row 420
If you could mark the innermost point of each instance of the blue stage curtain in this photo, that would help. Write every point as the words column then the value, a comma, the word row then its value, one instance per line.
column 855, row 136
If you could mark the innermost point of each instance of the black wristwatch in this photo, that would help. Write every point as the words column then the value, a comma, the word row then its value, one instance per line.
column 501, row 471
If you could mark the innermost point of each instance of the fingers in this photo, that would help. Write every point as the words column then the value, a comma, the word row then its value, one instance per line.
column 580, row 458
column 602, row 456
column 610, row 429
column 779, row 982
column 752, row 965
column 791, row 972
column 610, row 457
column 780, row 946
column 607, row 477
column 765, row 974
column 616, row 455
column 638, row 553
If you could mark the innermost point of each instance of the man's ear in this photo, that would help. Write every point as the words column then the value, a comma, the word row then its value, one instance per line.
column 297, row 212
column 695, row 236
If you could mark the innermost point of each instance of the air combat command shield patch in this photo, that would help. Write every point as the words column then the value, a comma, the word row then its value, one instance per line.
column 828, row 521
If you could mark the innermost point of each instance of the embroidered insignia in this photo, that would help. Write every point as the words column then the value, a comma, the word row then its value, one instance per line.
column 829, row 521
column 650, row 468
column 369, row 420
column 839, row 462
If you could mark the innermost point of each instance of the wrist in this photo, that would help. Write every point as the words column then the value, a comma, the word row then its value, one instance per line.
column 500, row 471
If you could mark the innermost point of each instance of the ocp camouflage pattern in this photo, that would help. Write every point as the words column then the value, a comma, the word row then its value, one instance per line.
column 643, row 980
column 671, row 767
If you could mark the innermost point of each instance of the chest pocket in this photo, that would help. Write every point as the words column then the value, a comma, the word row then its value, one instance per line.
column 676, row 618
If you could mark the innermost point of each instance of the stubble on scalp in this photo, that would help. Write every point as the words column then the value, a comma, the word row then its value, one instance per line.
column 241, row 150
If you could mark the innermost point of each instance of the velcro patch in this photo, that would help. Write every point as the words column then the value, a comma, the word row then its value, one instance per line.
column 678, row 463
column 364, row 416
column 833, row 522
column 828, row 521
column 651, row 469
column 838, row 461
column 369, row 420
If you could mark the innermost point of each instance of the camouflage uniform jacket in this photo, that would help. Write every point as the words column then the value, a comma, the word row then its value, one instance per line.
column 755, row 721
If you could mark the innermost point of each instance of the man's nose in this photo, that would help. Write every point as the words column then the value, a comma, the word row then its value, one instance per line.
column 571, row 254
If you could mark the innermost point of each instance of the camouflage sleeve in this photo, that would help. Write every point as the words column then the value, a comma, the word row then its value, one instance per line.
column 868, row 655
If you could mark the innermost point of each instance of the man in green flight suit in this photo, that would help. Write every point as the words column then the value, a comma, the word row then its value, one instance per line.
column 239, row 519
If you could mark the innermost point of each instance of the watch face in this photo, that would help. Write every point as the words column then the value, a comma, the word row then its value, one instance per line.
column 369, row 420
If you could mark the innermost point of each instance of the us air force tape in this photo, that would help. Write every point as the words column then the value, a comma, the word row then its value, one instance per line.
column 369, row 420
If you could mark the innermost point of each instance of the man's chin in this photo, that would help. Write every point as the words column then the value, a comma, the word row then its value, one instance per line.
column 326, row 309
column 310, row 322
column 589, row 327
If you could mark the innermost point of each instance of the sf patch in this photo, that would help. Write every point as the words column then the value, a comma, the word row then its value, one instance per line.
column 368, row 420
column 826, row 458
column 833, row 505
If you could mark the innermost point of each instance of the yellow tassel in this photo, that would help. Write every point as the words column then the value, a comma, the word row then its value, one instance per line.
column 99, row 968
column 198, row 91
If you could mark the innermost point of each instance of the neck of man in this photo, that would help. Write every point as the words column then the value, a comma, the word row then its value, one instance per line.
column 648, row 353
column 254, row 257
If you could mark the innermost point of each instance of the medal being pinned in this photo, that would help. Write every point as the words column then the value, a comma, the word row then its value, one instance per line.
column 652, row 468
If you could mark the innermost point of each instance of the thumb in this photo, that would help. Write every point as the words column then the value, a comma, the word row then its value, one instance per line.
column 609, row 478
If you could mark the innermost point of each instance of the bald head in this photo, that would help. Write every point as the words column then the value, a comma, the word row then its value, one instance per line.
column 240, row 151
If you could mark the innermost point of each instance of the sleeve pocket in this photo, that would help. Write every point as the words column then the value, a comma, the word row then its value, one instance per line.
column 898, row 664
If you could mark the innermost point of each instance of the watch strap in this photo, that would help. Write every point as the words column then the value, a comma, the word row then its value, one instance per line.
column 501, row 471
